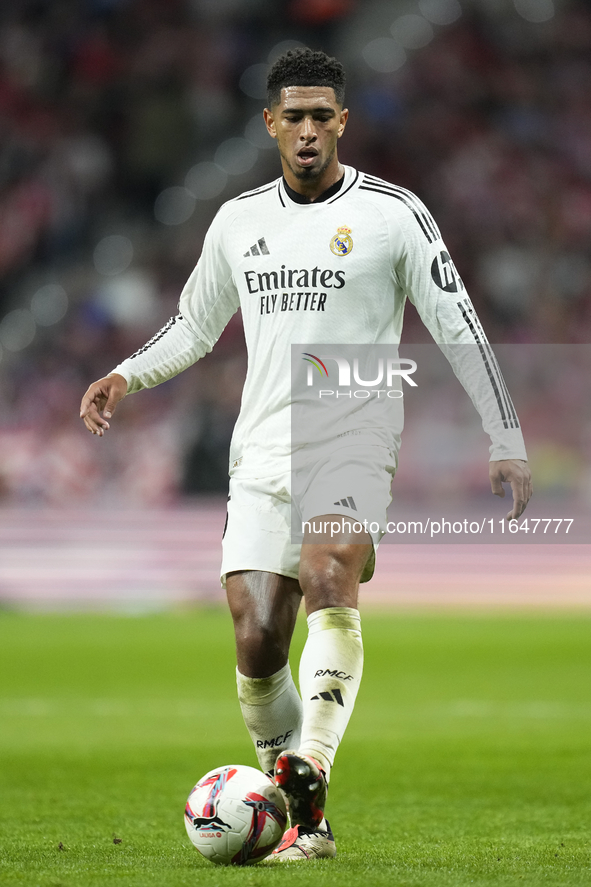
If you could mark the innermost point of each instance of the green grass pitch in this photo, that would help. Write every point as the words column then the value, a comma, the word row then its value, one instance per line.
column 467, row 760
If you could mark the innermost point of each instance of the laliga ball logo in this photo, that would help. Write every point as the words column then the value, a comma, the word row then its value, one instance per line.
column 342, row 242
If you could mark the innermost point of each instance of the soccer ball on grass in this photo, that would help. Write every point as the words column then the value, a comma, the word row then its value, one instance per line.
column 235, row 815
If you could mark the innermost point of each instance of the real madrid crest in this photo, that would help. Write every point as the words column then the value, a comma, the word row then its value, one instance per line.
column 342, row 242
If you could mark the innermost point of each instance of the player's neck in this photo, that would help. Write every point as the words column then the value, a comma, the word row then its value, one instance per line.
column 312, row 189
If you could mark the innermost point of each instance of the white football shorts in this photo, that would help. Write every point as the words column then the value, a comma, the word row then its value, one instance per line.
column 268, row 515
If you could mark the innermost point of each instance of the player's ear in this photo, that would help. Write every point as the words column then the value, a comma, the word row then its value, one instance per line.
column 343, row 121
column 270, row 123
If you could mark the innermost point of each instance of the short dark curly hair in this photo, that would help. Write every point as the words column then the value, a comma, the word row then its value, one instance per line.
column 305, row 67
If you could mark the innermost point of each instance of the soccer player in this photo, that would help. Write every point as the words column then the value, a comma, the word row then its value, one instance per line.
column 323, row 254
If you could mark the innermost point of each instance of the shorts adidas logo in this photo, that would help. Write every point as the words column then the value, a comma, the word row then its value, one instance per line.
column 259, row 248
column 349, row 502
column 330, row 696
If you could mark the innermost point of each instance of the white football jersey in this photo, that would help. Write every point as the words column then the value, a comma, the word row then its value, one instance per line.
column 334, row 271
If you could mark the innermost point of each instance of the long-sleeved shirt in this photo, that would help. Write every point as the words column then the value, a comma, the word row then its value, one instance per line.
column 335, row 271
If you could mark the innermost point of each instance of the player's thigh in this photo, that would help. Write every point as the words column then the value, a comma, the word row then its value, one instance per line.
column 264, row 598
column 343, row 504
column 332, row 562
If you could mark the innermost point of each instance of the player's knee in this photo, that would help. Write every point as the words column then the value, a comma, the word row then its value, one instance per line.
column 320, row 572
column 328, row 578
column 260, row 639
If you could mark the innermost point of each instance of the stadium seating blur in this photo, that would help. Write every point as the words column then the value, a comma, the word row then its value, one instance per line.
column 125, row 123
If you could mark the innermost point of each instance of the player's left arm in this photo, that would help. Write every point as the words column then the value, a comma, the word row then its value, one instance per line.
column 434, row 286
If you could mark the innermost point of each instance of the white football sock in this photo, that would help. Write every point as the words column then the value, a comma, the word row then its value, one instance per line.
column 272, row 711
column 330, row 673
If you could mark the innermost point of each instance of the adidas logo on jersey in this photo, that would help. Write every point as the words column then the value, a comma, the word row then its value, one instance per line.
column 349, row 502
column 330, row 696
column 259, row 248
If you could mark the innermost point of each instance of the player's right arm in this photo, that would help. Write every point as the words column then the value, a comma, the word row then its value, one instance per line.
column 102, row 397
column 208, row 301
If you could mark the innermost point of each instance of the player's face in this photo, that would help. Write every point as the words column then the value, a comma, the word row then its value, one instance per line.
column 307, row 123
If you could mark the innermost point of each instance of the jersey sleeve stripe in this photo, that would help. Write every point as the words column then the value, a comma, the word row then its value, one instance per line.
column 504, row 390
column 492, row 379
column 170, row 323
column 425, row 212
column 507, row 411
column 508, row 400
column 255, row 193
column 402, row 199
column 419, row 206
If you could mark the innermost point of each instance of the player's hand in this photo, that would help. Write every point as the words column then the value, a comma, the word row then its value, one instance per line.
column 102, row 397
column 517, row 473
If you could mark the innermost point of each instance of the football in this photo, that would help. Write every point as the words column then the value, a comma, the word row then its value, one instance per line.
column 235, row 815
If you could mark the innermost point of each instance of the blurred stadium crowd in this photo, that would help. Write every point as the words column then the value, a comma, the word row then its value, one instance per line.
column 125, row 123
